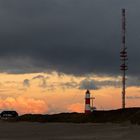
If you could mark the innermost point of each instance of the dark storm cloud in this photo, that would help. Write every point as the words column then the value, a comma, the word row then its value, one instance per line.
column 69, row 85
column 97, row 84
column 38, row 77
column 133, row 97
column 87, row 84
column 26, row 83
column 68, row 36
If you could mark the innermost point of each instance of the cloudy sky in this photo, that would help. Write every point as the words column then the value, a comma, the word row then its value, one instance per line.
column 52, row 50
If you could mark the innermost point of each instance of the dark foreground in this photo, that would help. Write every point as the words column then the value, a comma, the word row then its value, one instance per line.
column 100, row 125
column 68, row 131
column 129, row 115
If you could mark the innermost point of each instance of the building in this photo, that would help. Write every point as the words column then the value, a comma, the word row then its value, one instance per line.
column 8, row 114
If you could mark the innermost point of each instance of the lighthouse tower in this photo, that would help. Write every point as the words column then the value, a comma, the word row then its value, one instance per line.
column 87, row 102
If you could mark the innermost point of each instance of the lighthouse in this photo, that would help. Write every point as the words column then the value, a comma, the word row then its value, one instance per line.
column 87, row 102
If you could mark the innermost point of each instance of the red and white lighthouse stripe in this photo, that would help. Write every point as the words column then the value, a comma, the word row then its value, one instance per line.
column 87, row 102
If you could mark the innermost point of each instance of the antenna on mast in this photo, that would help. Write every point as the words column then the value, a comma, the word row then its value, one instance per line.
column 123, row 56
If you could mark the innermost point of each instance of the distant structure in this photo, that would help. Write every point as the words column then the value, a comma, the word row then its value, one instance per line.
column 123, row 56
column 8, row 114
column 88, row 107
column 92, row 104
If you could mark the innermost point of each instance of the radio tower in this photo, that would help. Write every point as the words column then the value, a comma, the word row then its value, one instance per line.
column 123, row 56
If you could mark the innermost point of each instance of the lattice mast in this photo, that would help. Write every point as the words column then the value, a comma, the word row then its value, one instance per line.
column 123, row 56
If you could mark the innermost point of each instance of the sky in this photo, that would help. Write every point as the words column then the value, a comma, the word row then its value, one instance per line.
column 51, row 51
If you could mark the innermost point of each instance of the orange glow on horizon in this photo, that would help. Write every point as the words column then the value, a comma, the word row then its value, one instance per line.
column 51, row 93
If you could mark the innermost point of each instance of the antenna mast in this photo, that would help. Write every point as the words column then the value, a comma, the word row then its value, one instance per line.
column 123, row 56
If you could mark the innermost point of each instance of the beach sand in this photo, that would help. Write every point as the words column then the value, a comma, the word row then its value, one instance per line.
column 68, row 131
